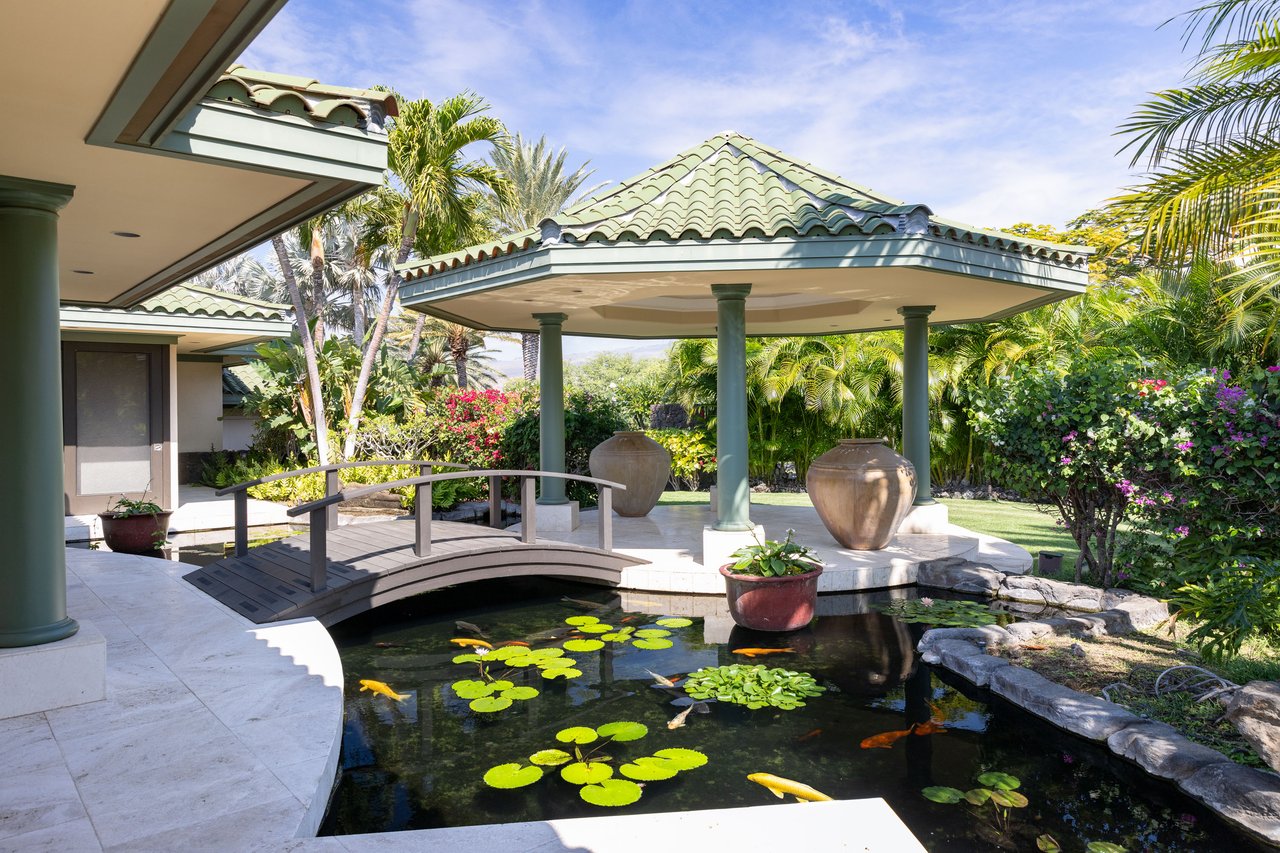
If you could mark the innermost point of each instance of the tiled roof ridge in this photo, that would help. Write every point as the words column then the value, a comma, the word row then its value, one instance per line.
column 194, row 301
column 294, row 95
column 235, row 297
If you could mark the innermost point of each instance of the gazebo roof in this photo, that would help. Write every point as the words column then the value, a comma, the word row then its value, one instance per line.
column 823, row 255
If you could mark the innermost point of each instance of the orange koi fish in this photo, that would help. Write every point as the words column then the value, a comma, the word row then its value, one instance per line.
column 755, row 653
column 780, row 787
column 468, row 642
column 515, row 643
column 933, row 727
column 808, row 736
column 886, row 740
column 384, row 689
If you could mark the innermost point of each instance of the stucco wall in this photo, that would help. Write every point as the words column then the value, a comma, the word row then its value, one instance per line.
column 237, row 429
column 199, row 406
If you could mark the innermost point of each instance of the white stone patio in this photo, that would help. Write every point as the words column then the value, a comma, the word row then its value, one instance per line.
column 198, row 509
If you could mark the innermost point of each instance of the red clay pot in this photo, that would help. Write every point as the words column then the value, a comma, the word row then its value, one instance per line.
column 134, row 534
column 772, row 604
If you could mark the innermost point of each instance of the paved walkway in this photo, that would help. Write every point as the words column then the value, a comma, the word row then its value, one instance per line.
column 198, row 509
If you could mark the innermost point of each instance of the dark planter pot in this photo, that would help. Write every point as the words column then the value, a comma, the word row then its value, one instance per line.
column 134, row 534
column 772, row 604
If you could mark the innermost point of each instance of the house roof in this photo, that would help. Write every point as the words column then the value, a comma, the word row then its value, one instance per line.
column 732, row 187
column 302, row 96
column 237, row 382
column 192, row 300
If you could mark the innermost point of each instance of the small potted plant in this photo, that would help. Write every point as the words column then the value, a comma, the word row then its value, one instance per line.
column 135, row 527
column 772, row 586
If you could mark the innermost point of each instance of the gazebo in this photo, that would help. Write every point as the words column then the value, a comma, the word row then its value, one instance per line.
column 728, row 239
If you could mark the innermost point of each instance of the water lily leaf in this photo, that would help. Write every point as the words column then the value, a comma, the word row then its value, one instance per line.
column 943, row 794
column 550, row 757
column 1048, row 844
column 521, row 660
column 501, row 684
column 615, row 637
column 577, row 734
column 512, row 776
column 556, row 663
column 561, row 672
column 596, row 628
column 490, row 704
column 579, row 621
column 681, row 758
column 1003, row 781
column 584, row 773
column 656, row 643
column 467, row 658
column 675, row 622
column 542, row 654
column 977, row 796
column 651, row 633
column 583, row 645
column 611, row 792
column 519, row 693
column 1103, row 847
column 507, row 653
column 649, row 771
column 623, row 731
column 472, row 689
column 1008, row 799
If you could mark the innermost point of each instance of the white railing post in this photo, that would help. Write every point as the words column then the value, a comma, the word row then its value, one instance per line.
column 528, row 526
column 422, row 519
column 605, row 512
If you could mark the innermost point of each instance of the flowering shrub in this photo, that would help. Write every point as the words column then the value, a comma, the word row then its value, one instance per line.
column 692, row 455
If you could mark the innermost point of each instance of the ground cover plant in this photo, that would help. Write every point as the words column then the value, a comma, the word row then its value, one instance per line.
column 939, row 613
column 754, row 686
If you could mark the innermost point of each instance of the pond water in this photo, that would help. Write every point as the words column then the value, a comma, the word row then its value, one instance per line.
column 420, row 763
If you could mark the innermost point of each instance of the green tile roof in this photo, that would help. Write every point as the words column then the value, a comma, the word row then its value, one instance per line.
column 194, row 301
column 237, row 383
column 302, row 96
column 732, row 187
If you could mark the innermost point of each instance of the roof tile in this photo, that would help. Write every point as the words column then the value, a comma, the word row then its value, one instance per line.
column 192, row 300
column 292, row 95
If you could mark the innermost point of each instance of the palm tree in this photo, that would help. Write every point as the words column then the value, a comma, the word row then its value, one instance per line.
column 430, row 185
column 319, row 421
column 539, row 190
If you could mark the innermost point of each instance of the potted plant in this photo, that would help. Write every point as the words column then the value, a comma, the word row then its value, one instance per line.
column 771, row 585
column 135, row 527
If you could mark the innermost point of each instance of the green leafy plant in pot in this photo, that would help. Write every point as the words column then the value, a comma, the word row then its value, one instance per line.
column 135, row 526
column 772, row 585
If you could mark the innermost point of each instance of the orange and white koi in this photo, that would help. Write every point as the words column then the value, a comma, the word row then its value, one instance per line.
column 755, row 653
column 462, row 641
column 781, row 787
column 383, row 688
column 886, row 740
column 663, row 681
column 678, row 720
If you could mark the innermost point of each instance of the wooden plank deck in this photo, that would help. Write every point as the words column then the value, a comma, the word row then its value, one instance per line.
column 374, row 564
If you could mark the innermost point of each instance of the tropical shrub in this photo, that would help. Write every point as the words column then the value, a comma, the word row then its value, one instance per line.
column 692, row 455
column 588, row 420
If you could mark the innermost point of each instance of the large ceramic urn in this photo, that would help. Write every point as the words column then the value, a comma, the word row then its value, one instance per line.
column 639, row 463
column 862, row 491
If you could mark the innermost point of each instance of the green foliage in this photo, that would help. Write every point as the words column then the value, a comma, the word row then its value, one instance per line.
column 632, row 386
column 754, row 686
column 588, row 420
column 492, row 691
column 1233, row 603
column 692, row 455
column 939, row 613
column 123, row 506
column 644, row 638
column 772, row 559
column 999, row 791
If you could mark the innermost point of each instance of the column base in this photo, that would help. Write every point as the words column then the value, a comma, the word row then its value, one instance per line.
column 715, row 503
column 926, row 518
column 557, row 518
column 54, row 675
column 717, row 545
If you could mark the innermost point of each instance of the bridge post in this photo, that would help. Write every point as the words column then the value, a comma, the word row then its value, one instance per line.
column 528, row 528
column 241, row 501
column 495, row 502
column 332, row 485
column 319, row 550
column 422, row 519
column 606, row 518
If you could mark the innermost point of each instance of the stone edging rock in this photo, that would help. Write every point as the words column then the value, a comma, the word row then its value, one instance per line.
column 1244, row 796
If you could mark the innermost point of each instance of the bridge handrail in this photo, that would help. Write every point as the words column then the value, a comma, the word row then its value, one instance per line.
column 333, row 466
column 365, row 491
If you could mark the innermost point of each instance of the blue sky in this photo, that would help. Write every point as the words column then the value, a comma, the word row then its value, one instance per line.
column 989, row 112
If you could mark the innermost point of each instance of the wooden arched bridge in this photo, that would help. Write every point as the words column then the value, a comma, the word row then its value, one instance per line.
column 333, row 573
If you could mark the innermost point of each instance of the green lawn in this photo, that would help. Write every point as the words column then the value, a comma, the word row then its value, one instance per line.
column 1019, row 523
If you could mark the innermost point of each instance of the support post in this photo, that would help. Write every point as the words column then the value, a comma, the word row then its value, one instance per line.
column 551, row 405
column 495, row 502
column 422, row 519
column 528, row 525
column 240, row 498
column 332, row 485
column 319, row 550
column 606, row 518
column 33, row 567
column 732, row 492
column 915, row 396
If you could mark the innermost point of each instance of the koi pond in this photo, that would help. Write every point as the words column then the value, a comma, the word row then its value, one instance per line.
column 575, row 716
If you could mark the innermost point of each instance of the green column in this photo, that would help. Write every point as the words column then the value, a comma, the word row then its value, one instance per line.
column 33, row 569
column 551, row 404
column 915, row 396
column 733, row 498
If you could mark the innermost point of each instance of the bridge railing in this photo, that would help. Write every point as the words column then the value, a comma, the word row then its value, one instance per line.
column 319, row 510
column 332, row 486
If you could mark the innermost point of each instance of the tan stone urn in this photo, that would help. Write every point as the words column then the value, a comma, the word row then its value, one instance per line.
column 862, row 491
column 638, row 462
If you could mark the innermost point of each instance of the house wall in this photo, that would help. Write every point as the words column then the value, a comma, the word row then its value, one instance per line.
column 199, row 396
column 237, row 429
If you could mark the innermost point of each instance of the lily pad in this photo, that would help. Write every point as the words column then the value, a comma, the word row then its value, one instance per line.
column 1008, row 799
column 550, row 757
column 649, row 771
column 595, row 628
column 656, row 643
column 623, row 731
column 543, row 654
column 522, row 660
column 977, row 796
column 501, row 684
column 556, row 663
column 613, row 637
column 519, row 693
column 512, row 776
column 675, row 622
column 577, row 734
column 611, row 792
column 586, row 773
column 681, row 758
column 579, row 621
column 506, row 653
column 1003, row 781
column 583, row 645
column 490, row 704
column 1103, row 847
column 561, row 672
column 471, row 689
column 943, row 794
column 652, row 633
column 467, row 658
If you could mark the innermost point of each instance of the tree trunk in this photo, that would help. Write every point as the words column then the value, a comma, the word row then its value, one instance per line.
column 308, row 351
column 529, row 350
column 317, row 282
column 460, row 365
column 357, row 311
column 416, row 340
column 407, row 229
